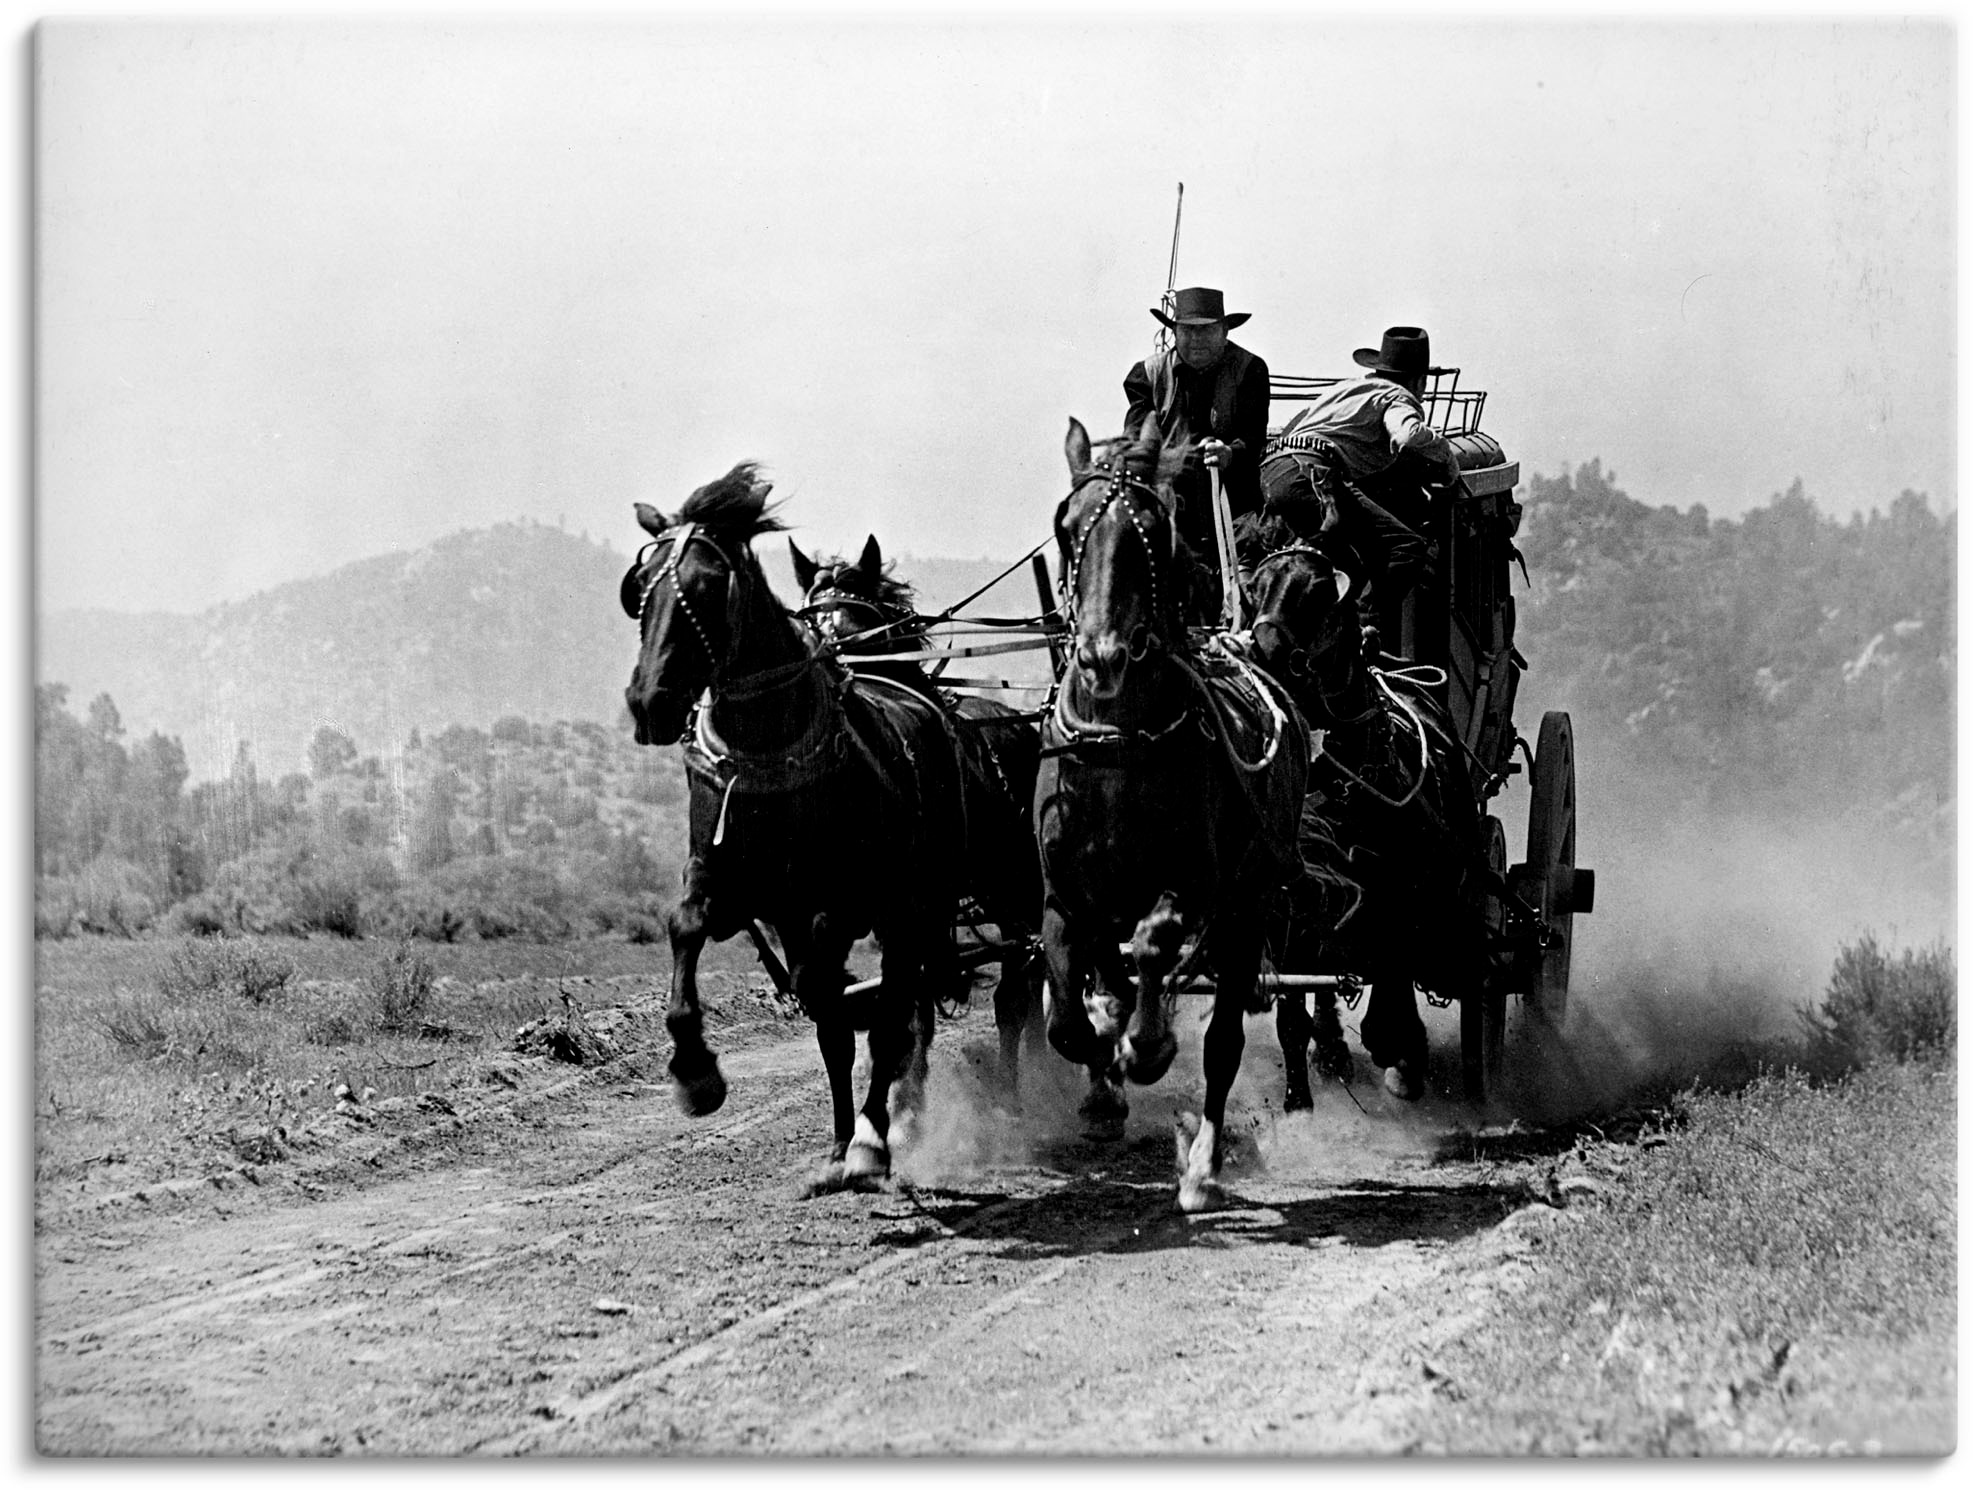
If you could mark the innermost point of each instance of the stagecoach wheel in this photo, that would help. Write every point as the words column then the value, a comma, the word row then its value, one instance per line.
column 1552, row 865
column 1483, row 1011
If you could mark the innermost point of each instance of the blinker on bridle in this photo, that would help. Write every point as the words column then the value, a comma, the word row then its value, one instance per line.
column 753, row 685
column 1122, row 487
column 679, row 538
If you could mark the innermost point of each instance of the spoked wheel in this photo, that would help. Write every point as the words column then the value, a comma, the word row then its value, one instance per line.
column 1483, row 1011
column 1564, row 891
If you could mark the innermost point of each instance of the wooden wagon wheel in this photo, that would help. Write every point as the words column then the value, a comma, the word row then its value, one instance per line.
column 1564, row 891
column 1483, row 1010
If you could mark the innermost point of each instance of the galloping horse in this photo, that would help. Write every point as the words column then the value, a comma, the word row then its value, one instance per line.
column 860, row 608
column 1391, row 812
column 1166, row 805
column 822, row 806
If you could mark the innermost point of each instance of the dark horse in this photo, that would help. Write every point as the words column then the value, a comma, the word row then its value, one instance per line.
column 861, row 609
column 1170, row 786
column 822, row 806
column 1391, row 827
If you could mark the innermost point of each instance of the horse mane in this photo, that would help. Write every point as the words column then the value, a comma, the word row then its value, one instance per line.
column 734, row 505
column 1262, row 534
column 1159, row 464
column 891, row 590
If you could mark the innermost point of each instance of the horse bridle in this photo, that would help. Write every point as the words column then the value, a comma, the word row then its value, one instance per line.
column 754, row 684
column 680, row 538
column 1299, row 655
column 883, row 617
column 1122, row 487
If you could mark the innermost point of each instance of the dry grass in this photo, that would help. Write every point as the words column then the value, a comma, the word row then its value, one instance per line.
column 1774, row 1273
column 167, row 1057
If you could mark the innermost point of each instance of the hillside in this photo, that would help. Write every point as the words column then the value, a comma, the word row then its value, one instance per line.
column 1783, row 662
column 1783, row 658
column 519, row 619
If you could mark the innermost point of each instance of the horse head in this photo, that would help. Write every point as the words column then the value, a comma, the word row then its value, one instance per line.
column 860, row 605
column 690, row 592
column 1124, row 566
column 1305, row 625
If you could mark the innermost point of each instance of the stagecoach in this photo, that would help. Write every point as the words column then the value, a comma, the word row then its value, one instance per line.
column 1463, row 626
column 1459, row 633
column 712, row 636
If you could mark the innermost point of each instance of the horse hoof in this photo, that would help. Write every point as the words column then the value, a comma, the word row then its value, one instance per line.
column 1198, row 1196
column 1146, row 1066
column 1103, row 1112
column 1335, row 1063
column 868, row 1158
column 1302, row 1101
column 825, row 1181
column 1405, row 1080
column 700, row 1093
column 864, row 1167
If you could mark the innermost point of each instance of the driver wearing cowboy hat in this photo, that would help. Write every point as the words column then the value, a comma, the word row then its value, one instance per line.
column 1208, row 389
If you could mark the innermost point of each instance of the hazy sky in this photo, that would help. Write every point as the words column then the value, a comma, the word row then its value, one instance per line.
column 313, row 290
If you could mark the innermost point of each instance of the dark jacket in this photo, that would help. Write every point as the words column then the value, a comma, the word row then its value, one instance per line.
column 1230, row 403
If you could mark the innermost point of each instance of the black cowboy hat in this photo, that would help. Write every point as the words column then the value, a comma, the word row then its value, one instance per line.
column 1199, row 306
column 1407, row 351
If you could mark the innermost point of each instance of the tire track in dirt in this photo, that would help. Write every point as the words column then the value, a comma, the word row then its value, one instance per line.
column 618, row 1278
column 578, row 1408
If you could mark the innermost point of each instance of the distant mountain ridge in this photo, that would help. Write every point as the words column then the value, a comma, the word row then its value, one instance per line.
column 1782, row 652
column 518, row 619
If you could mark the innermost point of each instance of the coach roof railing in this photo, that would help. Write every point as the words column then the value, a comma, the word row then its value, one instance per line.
column 1452, row 410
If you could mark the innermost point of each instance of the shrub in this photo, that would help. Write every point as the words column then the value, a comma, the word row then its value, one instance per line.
column 426, row 913
column 136, row 1022
column 642, row 930
column 108, row 896
column 241, row 970
column 205, row 914
column 401, row 987
column 334, row 1014
column 296, row 889
column 204, row 1025
column 1880, row 1007
column 654, row 785
column 329, row 902
column 512, row 895
column 54, row 908
column 567, row 808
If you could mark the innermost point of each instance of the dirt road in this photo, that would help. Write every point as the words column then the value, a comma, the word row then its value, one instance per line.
column 567, row 1265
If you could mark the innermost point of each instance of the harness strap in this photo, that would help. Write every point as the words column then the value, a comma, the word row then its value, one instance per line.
column 942, row 712
column 1279, row 723
column 807, row 759
column 1424, row 755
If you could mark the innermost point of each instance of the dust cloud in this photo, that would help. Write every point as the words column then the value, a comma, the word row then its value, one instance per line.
column 1714, row 927
column 970, row 1127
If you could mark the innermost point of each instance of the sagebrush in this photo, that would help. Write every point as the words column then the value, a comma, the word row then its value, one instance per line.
column 401, row 986
column 1879, row 1006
